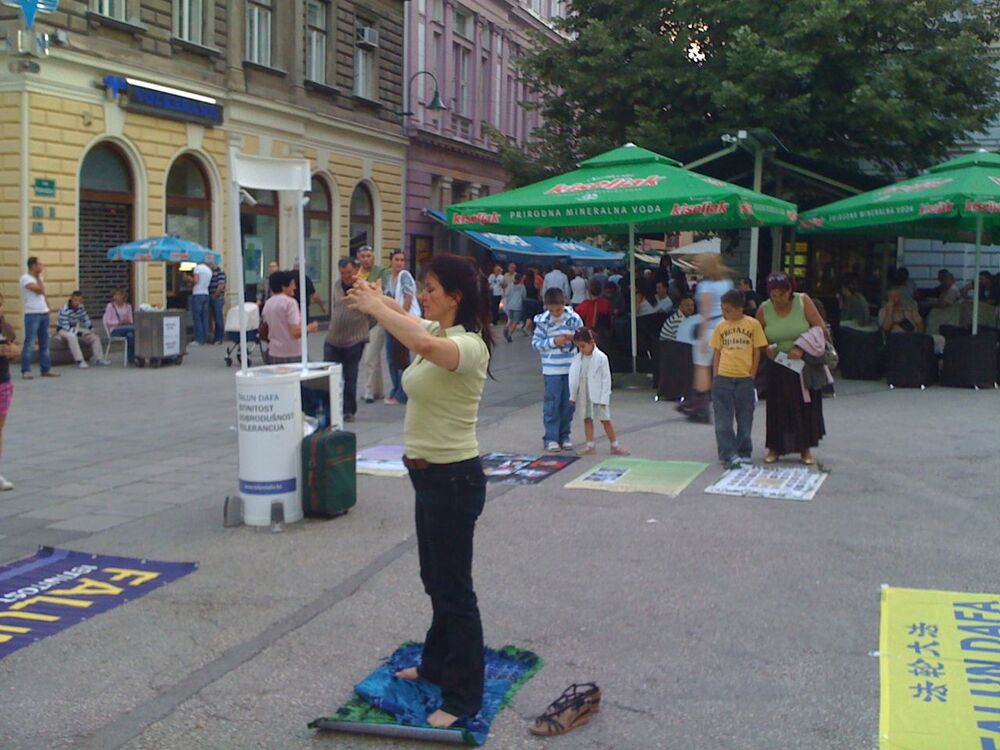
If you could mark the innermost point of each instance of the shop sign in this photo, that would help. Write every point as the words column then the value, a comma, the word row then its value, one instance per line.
column 153, row 99
column 45, row 188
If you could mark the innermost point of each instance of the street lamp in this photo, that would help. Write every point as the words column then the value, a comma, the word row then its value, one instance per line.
column 436, row 104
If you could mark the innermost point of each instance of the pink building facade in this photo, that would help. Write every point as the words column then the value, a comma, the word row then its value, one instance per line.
column 470, row 47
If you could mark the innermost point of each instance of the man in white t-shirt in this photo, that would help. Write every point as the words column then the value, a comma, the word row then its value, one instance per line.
column 556, row 279
column 36, row 320
column 201, row 277
column 578, row 285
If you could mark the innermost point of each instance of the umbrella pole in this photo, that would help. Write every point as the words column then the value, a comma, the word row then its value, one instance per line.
column 632, row 380
column 236, row 252
column 634, row 287
column 975, row 283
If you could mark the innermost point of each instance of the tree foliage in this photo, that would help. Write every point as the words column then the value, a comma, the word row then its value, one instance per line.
column 896, row 83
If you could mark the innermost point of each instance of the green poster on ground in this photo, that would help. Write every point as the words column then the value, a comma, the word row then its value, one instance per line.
column 639, row 475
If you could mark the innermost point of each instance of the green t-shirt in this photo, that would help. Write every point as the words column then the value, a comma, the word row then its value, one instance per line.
column 442, row 406
column 783, row 331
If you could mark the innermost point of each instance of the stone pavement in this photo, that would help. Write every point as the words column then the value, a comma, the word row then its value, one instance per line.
column 710, row 622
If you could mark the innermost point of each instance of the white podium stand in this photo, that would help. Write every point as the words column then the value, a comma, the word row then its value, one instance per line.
column 270, row 429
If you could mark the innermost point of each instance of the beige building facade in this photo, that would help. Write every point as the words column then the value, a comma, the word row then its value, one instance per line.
column 123, row 129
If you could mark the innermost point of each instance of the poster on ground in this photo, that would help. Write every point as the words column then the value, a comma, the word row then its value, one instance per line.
column 381, row 461
column 774, row 482
column 639, row 475
column 57, row 588
column 939, row 669
column 517, row 468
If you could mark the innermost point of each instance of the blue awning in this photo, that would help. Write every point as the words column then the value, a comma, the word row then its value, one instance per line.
column 512, row 247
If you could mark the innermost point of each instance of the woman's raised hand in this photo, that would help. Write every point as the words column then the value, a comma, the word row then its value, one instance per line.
column 366, row 297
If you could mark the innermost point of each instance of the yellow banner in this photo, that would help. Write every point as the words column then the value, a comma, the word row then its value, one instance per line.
column 939, row 658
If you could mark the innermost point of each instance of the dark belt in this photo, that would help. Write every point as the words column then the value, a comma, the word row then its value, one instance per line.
column 421, row 464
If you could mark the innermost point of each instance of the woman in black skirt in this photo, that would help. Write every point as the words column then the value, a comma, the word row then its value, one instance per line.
column 794, row 425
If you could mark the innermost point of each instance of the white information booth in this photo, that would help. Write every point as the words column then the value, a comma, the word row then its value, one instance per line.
column 270, row 419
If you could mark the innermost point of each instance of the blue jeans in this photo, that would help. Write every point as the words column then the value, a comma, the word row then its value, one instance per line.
column 129, row 333
column 217, row 319
column 36, row 325
column 733, row 397
column 450, row 498
column 199, row 317
column 557, row 413
column 395, row 374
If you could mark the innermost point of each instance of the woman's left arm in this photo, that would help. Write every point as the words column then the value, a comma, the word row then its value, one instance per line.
column 404, row 327
column 812, row 314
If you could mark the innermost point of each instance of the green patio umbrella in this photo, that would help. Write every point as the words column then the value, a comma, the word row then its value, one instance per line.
column 958, row 201
column 627, row 189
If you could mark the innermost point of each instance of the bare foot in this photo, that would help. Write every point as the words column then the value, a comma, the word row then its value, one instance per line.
column 410, row 673
column 441, row 719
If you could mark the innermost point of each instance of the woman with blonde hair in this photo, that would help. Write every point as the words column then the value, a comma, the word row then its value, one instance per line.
column 715, row 281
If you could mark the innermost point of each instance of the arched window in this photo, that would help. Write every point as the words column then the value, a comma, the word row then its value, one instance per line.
column 189, row 216
column 104, row 221
column 259, row 228
column 362, row 230
column 319, row 248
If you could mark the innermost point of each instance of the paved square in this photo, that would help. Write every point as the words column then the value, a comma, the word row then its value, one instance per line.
column 726, row 624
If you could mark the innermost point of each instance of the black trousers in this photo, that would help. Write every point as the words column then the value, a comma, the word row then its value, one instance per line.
column 349, row 357
column 449, row 499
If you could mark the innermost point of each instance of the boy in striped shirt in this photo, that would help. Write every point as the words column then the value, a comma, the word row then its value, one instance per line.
column 553, row 339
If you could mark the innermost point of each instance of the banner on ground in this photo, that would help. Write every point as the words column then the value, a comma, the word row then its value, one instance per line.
column 775, row 482
column 639, row 475
column 57, row 588
column 516, row 468
column 939, row 658
column 381, row 461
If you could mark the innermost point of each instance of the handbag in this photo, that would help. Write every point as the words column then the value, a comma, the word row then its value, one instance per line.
column 830, row 357
column 264, row 331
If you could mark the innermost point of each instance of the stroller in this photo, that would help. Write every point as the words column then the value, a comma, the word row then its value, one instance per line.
column 233, row 332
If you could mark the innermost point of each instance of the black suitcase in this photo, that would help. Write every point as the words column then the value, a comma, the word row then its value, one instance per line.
column 910, row 360
column 329, row 485
column 675, row 370
column 970, row 361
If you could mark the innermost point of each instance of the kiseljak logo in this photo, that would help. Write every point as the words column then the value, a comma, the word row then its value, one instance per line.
column 31, row 8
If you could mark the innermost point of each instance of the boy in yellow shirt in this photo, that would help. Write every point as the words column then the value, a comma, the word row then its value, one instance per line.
column 738, row 341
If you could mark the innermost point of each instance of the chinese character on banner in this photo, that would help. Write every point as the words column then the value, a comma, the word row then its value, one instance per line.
column 923, row 630
column 922, row 668
column 928, row 691
column 930, row 648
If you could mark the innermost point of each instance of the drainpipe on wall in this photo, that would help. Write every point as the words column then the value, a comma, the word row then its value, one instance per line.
column 404, row 245
column 25, row 178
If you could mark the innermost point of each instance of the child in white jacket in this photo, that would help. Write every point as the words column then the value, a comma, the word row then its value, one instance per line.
column 590, row 389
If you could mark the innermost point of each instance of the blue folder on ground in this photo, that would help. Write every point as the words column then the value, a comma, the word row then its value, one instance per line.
column 389, row 707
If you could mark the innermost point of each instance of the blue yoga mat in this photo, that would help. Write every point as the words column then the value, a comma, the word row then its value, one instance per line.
column 387, row 705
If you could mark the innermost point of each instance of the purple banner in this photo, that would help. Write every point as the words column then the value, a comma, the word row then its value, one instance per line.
column 57, row 588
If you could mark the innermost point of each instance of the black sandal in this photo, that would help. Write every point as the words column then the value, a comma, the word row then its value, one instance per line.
column 574, row 708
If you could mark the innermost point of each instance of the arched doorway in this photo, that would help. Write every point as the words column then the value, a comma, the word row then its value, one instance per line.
column 105, row 220
column 318, row 236
column 259, row 230
column 189, row 216
column 362, row 231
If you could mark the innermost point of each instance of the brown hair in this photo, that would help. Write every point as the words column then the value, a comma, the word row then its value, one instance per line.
column 460, row 275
